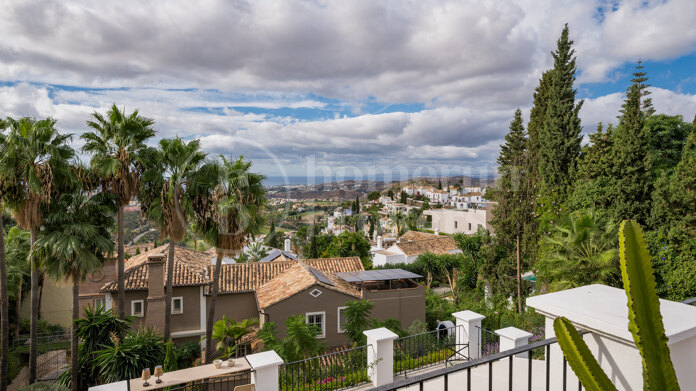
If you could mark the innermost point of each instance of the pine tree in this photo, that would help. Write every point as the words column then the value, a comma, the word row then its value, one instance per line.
column 559, row 138
column 633, row 179
column 514, row 210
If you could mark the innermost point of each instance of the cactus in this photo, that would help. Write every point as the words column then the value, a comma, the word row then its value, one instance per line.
column 645, row 322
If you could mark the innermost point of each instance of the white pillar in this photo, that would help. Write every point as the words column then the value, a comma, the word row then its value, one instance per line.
column 287, row 246
column 512, row 337
column 469, row 330
column 265, row 370
column 380, row 355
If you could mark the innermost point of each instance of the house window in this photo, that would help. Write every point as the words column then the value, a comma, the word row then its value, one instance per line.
column 137, row 308
column 317, row 319
column 469, row 226
column 455, row 225
column 99, row 303
column 342, row 319
column 177, row 305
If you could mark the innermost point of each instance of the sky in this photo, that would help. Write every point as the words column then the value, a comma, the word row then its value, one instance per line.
column 337, row 88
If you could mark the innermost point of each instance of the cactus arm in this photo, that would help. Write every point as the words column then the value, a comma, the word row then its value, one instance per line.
column 645, row 319
column 579, row 357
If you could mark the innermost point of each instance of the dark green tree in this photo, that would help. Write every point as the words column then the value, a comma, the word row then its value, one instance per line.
column 403, row 197
column 372, row 196
column 594, row 175
column 439, row 184
column 348, row 244
column 273, row 239
column 559, row 137
column 513, row 195
column 632, row 168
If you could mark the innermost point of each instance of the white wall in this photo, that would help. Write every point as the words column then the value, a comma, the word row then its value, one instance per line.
column 451, row 221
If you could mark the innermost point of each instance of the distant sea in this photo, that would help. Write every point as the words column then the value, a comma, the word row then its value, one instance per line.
column 306, row 180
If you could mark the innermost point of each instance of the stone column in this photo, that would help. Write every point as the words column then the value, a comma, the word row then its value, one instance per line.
column 469, row 331
column 380, row 355
column 265, row 370
column 512, row 337
column 154, row 315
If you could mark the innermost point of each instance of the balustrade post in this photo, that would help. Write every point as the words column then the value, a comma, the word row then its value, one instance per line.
column 469, row 332
column 512, row 337
column 265, row 367
column 380, row 355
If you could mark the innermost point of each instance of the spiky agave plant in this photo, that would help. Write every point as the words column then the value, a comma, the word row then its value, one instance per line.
column 645, row 323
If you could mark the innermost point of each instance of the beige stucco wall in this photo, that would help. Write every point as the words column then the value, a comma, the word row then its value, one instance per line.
column 56, row 302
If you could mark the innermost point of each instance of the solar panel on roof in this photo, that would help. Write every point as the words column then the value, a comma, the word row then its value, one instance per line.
column 377, row 275
column 320, row 276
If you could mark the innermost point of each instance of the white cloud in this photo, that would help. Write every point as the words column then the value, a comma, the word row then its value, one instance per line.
column 470, row 63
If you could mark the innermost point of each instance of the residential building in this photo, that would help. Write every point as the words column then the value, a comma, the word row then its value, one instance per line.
column 438, row 196
column 411, row 245
column 269, row 291
column 467, row 221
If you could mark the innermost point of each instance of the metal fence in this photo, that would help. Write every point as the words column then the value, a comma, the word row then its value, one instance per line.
column 332, row 371
column 428, row 349
column 488, row 341
column 501, row 373
column 43, row 339
column 223, row 383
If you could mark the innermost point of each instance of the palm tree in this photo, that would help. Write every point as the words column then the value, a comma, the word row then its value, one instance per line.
column 228, row 202
column 430, row 265
column 4, row 299
column 33, row 165
column 229, row 333
column 117, row 145
column 17, row 247
column 75, row 242
column 165, row 198
column 582, row 249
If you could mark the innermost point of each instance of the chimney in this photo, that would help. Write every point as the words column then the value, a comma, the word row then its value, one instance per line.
column 288, row 247
column 154, row 312
column 437, row 231
column 379, row 241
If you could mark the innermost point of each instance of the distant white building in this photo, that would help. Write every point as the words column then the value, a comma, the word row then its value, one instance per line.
column 438, row 196
column 467, row 200
column 413, row 190
column 467, row 221
column 407, row 251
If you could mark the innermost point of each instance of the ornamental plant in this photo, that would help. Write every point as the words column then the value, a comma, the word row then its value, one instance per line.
column 645, row 323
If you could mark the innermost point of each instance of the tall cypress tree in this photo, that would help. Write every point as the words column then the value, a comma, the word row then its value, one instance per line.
column 559, row 138
column 633, row 179
column 683, row 185
column 593, row 178
column 513, row 211
column 536, row 122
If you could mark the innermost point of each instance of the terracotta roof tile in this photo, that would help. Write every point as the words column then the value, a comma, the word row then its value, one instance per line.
column 189, row 269
column 296, row 279
column 416, row 235
column 248, row 277
column 441, row 245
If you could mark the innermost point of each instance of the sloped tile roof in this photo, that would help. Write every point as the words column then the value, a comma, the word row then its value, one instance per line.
column 440, row 245
column 416, row 235
column 189, row 269
column 296, row 279
column 248, row 277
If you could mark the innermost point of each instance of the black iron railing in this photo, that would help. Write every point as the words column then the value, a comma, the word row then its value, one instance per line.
column 542, row 380
column 222, row 383
column 331, row 371
column 488, row 341
column 428, row 349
